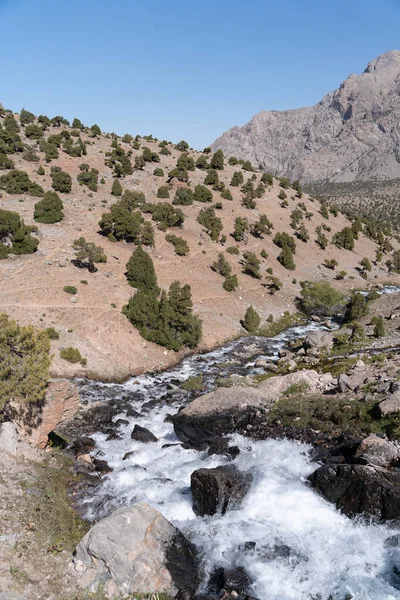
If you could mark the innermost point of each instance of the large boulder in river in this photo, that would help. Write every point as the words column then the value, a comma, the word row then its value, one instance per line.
column 136, row 550
column 318, row 341
column 378, row 452
column 357, row 489
column 228, row 409
column 142, row 434
column 218, row 490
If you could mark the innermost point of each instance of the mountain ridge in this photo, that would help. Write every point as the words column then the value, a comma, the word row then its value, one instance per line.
column 351, row 134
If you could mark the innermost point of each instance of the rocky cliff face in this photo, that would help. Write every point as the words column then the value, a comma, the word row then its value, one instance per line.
column 352, row 134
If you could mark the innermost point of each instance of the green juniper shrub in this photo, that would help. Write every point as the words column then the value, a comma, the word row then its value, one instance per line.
column 70, row 289
column 267, row 179
column 87, row 254
column 212, row 224
column 122, row 223
column 226, row 194
column 183, row 197
column 241, row 227
column 158, row 172
column 185, row 162
column 237, row 179
column 251, row 321
column 247, row 166
column 165, row 151
column 40, row 170
column 202, row 163
column 282, row 195
column 207, row 150
column 330, row 263
column 61, row 181
column 202, row 194
column 72, row 355
column 140, row 271
column 324, row 211
column 212, row 177
column 319, row 298
column 180, row 245
column 163, row 192
column 321, row 239
column 52, row 333
column 284, row 239
column 344, row 239
column 233, row 250
column 147, row 234
column 49, row 209
column 24, row 363
column 26, row 117
column 232, row 161
column 179, row 174
column 95, row 130
column 284, row 182
column 88, row 177
column 34, row 132
column 357, row 307
column 6, row 162
column 379, row 329
column 165, row 215
column 264, row 253
column 15, row 236
column 221, row 266
column 251, row 265
column 116, row 189
column 230, row 283
column 182, row 146
column 261, row 227
column 286, row 258
column 217, row 160
column 18, row 182
column 273, row 284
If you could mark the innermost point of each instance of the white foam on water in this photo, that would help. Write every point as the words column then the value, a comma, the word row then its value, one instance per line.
column 304, row 548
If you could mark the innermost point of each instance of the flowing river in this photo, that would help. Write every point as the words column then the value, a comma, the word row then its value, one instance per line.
column 294, row 544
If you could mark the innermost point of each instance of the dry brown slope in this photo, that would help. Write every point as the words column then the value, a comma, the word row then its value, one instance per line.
column 31, row 287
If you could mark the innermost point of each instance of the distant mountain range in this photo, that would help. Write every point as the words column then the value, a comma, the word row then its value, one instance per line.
column 352, row 134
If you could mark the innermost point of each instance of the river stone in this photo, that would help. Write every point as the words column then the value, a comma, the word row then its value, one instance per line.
column 8, row 438
column 390, row 405
column 141, row 434
column 378, row 452
column 218, row 490
column 136, row 550
column 230, row 583
column 319, row 340
column 358, row 489
column 228, row 409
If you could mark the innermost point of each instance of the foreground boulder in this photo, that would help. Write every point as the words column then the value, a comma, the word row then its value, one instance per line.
column 136, row 550
column 218, row 490
column 391, row 404
column 378, row 452
column 228, row 409
column 357, row 489
column 318, row 341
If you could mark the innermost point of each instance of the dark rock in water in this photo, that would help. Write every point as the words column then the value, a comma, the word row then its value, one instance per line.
column 219, row 489
column 100, row 416
column 221, row 446
column 230, row 583
column 181, row 561
column 170, row 445
column 120, row 422
column 357, row 489
column 131, row 412
column 101, row 465
column 149, row 405
column 83, row 445
column 216, row 414
column 112, row 435
column 128, row 455
column 141, row 434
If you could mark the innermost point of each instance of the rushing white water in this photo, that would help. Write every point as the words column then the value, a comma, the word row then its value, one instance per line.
column 302, row 548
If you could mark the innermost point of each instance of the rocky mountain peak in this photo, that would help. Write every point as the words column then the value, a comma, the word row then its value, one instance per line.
column 352, row 134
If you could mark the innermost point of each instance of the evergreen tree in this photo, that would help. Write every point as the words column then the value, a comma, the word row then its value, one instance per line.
column 49, row 209
column 286, row 258
column 379, row 329
column 356, row 308
column 61, row 181
column 241, row 226
column 217, row 160
column 230, row 283
column 202, row 194
column 140, row 271
column 221, row 266
column 116, row 189
column 251, row 321
column 87, row 254
column 251, row 265
column 183, row 197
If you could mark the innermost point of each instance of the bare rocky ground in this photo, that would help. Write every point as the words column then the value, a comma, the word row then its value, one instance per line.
column 31, row 287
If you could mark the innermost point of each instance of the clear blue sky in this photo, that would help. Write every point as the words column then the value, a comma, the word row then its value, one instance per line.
column 184, row 68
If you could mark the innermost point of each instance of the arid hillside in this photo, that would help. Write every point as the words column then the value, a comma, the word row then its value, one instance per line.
column 91, row 320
